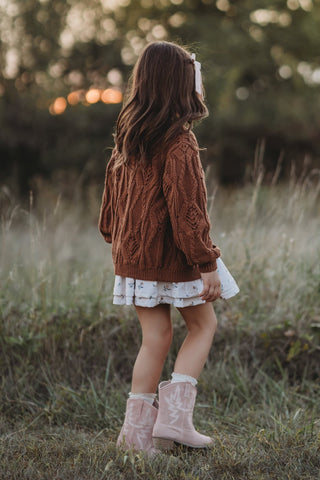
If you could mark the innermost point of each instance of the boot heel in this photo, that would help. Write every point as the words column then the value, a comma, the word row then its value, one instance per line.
column 162, row 443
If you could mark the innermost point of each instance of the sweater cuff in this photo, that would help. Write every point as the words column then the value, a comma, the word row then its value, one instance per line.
column 107, row 238
column 208, row 267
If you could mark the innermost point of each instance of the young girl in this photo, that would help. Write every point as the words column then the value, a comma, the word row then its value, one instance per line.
column 154, row 212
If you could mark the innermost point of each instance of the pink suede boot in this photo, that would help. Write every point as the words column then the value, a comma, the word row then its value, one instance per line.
column 136, row 431
column 174, row 420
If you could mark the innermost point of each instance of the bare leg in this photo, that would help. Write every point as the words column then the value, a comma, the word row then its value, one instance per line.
column 201, row 323
column 156, row 340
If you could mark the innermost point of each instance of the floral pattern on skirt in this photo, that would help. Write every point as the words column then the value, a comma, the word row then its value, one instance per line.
column 148, row 293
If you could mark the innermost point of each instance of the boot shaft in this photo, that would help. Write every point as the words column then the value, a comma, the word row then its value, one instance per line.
column 136, row 431
column 177, row 402
column 174, row 421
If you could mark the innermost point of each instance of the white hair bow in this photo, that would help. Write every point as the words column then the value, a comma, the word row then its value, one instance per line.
column 197, row 72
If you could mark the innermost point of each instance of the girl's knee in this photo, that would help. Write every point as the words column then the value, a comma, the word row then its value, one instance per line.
column 202, row 319
column 214, row 320
column 166, row 337
column 159, row 340
column 206, row 326
column 156, row 327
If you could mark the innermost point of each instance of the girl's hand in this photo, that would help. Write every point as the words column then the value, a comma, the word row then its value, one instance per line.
column 211, row 286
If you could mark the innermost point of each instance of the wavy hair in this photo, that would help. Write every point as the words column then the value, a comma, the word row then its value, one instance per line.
column 161, row 102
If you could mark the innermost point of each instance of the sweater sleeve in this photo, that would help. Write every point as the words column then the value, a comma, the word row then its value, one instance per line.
column 106, row 211
column 186, row 196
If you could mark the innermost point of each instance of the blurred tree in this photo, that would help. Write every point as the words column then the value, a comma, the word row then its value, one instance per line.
column 261, row 67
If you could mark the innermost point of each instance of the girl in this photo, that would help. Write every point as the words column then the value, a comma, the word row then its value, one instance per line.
column 155, row 215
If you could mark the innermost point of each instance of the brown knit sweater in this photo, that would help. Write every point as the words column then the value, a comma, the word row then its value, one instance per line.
column 156, row 216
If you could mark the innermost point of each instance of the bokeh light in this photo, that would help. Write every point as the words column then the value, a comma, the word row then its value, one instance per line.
column 93, row 95
column 90, row 97
column 110, row 95
column 58, row 106
column 73, row 98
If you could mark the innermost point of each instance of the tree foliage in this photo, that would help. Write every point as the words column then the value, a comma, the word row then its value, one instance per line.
column 260, row 63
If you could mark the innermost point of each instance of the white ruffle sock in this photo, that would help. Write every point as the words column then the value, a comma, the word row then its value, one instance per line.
column 180, row 377
column 147, row 397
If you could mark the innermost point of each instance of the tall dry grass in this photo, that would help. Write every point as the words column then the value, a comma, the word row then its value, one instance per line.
column 67, row 352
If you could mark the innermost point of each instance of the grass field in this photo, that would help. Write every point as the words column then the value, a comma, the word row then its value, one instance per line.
column 67, row 352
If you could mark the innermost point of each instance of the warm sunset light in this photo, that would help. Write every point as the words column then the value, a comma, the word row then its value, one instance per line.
column 58, row 106
column 73, row 98
column 111, row 95
column 93, row 95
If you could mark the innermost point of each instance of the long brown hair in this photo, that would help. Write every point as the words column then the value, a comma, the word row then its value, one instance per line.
column 161, row 101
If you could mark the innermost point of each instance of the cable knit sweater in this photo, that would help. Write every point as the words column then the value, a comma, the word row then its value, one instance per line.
column 156, row 216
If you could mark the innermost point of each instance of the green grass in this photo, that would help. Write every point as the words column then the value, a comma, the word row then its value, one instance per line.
column 66, row 353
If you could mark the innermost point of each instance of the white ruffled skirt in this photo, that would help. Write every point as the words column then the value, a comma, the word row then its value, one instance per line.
column 147, row 293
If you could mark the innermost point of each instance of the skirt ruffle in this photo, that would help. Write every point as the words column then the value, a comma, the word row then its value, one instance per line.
column 147, row 293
